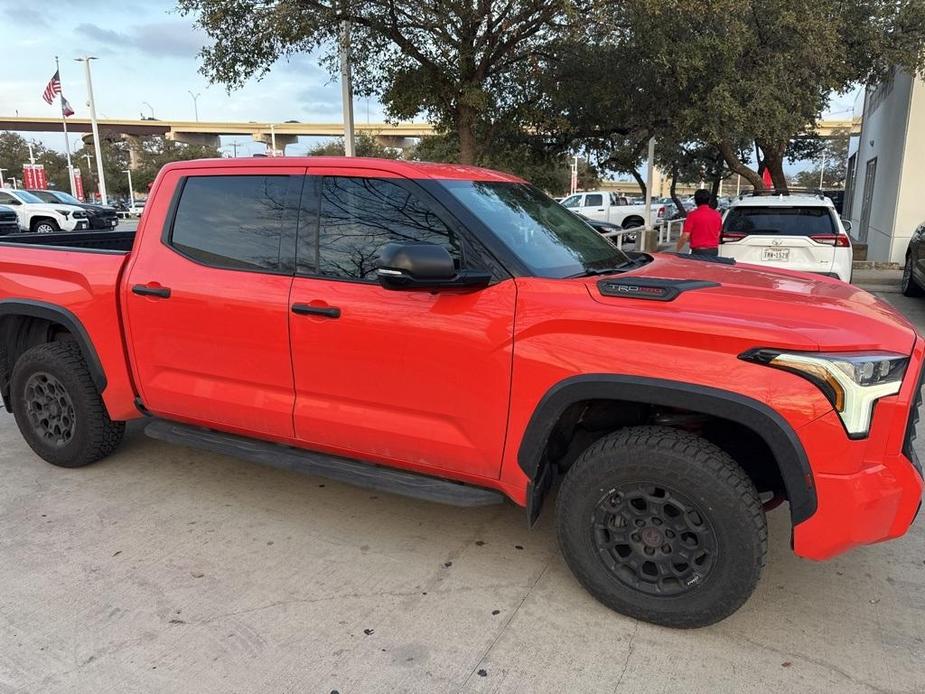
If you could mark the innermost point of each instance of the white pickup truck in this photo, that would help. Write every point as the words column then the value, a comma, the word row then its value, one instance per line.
column 607, row 206
column 43, row 217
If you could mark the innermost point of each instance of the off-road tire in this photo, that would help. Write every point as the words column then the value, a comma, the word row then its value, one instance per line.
column 692, row 468
column 44, row 221
column 93, row 435
column 908, row 285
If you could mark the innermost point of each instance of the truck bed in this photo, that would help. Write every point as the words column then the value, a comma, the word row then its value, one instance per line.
column 102, row 241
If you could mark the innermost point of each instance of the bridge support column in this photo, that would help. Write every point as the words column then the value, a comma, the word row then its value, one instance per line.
column 282, row 141
column 200, row 139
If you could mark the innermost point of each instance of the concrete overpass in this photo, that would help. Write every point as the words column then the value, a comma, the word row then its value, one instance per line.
column 208, row 132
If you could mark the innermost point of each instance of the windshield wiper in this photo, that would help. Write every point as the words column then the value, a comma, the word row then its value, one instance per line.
column 628, row 264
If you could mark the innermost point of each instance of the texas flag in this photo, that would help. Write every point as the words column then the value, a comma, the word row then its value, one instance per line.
column 66, row 109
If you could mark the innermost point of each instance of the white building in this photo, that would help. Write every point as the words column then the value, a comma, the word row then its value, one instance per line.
column 885, row 190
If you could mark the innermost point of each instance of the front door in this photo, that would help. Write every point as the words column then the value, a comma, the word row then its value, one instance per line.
column 415, row 378
column 208, row 303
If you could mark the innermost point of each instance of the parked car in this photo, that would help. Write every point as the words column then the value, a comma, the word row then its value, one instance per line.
column 9, row 222
column 41, row 217
column 99, row 216
column 607, row 206
column 796, row 232
column 358, row 321
column 913, row 279
column 608, row 228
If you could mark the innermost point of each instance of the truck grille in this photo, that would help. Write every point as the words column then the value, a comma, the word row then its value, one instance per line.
column 908, row 448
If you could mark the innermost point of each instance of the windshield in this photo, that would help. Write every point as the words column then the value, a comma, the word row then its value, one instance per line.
column 26, row 197
column 64, row 197
column 548, row 239
column 784, row 221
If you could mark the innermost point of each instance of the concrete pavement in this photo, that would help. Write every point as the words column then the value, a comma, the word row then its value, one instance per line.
column 164, row 569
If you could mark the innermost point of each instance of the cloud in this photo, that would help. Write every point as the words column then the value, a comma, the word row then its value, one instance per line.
column 27, row 16
column 175, row 39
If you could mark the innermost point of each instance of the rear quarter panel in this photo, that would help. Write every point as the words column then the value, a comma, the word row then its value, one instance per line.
column 86, row 284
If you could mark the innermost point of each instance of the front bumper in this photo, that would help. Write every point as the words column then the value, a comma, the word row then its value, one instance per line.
column 868, row 490
column 101, row 222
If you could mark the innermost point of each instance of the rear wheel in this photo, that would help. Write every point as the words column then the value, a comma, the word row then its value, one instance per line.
column 58, row 408
column 45, row 226
column 663, row 526
column 908, row 285
column 633, row 223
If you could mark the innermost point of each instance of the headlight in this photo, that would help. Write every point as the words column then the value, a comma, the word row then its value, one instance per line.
column 852, row 382
column 80, row 215
column 63, row 213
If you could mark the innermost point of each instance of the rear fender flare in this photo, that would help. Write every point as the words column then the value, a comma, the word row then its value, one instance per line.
column 53, row 314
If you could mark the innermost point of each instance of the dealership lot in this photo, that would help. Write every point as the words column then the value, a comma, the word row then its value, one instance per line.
column 162, row 566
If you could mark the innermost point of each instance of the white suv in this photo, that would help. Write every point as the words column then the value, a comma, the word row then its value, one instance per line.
column 43, row 217
column 797, row 232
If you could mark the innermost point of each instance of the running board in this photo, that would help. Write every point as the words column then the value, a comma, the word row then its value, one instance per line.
column 368, row 475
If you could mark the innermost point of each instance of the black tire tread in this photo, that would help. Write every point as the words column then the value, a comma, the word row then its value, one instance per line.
column 103, row 434
column 708, row 458
column 912, row 288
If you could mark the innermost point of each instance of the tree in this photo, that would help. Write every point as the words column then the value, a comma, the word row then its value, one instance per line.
column 364, row 145
column 730, row 71
column 834, row 158
column 14, row 152
column 460, row 63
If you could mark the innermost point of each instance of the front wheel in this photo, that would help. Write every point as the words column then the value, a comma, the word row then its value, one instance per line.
column 58, row 408
column 663, row 526
column 45, row 226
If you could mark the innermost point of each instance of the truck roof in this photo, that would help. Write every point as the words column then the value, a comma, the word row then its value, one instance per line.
column 409, row 169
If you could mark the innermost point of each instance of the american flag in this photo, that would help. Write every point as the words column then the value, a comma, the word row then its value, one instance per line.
column 53, row 87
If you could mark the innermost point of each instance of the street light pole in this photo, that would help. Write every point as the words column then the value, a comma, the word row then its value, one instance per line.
column 96, row 130
column 346, row 87
column 131, row 191
column 195, row 103
column 1, row 177
column 145, row 103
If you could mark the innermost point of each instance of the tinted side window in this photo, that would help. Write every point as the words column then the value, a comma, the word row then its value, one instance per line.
column 361, row 215
column 596, row 200
column 7, row 199
column 232, row 222
column 574, row 201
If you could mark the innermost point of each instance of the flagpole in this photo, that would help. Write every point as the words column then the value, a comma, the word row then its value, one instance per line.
column 67, row 142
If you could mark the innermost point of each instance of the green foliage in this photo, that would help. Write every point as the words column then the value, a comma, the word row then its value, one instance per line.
column 14, row 152
column 463, row 65
column 364, row 146
column 834, row 153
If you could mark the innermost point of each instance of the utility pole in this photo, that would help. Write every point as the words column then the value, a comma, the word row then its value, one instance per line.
column 650, row 181
column 346, row 88
column 234, row 147
column 101, row 180
column 822, row 171
column 195, row 103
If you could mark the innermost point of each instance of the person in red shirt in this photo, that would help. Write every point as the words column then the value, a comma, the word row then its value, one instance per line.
column 702, row 227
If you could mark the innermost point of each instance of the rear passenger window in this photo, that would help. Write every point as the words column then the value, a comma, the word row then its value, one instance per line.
column 596, row 200
column 361, row 215
column 233, row 222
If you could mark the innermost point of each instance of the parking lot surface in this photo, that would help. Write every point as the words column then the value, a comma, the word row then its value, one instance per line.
column 163, row 569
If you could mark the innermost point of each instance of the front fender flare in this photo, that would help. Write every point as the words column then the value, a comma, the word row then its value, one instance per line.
column 779, row 436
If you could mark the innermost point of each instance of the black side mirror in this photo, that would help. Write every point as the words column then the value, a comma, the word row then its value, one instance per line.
column 423, row 266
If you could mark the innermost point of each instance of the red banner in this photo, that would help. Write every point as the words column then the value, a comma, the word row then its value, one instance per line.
column 78, row 184
column 33, row 176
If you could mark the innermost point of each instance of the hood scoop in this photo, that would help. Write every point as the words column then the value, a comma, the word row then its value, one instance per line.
column 651, row 288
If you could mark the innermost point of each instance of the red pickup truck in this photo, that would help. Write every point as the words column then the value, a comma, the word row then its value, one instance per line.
column 452, row 334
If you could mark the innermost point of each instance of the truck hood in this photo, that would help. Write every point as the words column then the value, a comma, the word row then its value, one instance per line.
column 52, row 207
column 753, row 306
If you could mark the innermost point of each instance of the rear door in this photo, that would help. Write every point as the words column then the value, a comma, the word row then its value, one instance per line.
column 208, row 299
column 801, row 237
column 594, row 206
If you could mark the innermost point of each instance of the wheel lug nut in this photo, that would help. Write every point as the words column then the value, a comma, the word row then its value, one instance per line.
column 656, row 521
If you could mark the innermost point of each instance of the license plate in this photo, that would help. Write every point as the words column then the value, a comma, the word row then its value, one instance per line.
column 781, row 255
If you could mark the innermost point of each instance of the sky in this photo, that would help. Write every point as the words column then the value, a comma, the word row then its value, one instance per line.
column 147, row 63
